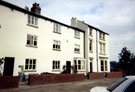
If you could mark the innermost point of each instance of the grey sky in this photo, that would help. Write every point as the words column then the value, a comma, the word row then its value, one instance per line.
column 116, row 17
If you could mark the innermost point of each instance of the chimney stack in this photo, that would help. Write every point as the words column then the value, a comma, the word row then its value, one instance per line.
column 36, row 8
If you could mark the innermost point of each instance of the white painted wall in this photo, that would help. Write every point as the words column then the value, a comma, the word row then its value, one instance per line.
column 13, row 37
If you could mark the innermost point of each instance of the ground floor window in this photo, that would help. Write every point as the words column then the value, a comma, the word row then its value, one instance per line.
column 79, row 64
column 103, row 65
column 30, row 64
column 56, row 64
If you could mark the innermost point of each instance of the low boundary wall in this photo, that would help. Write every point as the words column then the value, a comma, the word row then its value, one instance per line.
column 54, row 78
column 114, row 75
column 93, row 76
column 9, row 82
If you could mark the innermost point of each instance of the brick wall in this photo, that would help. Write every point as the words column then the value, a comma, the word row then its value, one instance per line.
column 114, row 75
column 93, row 76
column 9, row 82
column 54, row 78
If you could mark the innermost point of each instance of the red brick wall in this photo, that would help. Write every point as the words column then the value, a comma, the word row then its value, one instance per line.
column 9, row 82
column 54, row 78
column 93, row 76
column 114, row 75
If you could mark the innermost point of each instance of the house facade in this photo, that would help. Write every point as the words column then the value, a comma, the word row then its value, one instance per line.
column 41, row 44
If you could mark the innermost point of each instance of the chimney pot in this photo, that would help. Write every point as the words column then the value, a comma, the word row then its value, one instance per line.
column 36, row 8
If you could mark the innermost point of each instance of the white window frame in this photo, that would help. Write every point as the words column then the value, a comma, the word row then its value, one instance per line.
column 101, row 36
column 56, row 28
column 82, row 64
column 91, row 45
column 32, row 40
column 32, row 20
column 56, row 45
column 77, row 48
column 55, row 65
column 29, row 64
column 77, row 34
column 104, row 66
column 90, row 31
column 102, row 48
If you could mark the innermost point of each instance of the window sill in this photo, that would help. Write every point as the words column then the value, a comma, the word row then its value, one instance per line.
column 90, row 35
column 56, row 49
column 30, row 70
column 56, row 32
column 55, row 70
column 31, row 46
column 102, row 54
column 77, row 52
column 32, row 25
column 90, row 51
column 81, row 70
column 77, row 37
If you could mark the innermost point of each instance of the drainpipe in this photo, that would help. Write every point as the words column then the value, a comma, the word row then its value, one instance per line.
column 97, row 49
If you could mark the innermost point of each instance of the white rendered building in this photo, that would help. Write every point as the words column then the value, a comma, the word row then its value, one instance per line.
column 41, row 44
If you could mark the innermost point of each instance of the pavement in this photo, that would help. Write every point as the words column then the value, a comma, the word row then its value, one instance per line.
column 79, row 86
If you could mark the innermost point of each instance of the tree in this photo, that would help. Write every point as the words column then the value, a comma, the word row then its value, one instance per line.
column 127, row 61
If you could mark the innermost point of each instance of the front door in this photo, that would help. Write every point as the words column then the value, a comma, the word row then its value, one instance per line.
column 68, row 67
column 8, row 66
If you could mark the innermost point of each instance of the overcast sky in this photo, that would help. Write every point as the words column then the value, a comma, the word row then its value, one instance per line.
column 116, row 17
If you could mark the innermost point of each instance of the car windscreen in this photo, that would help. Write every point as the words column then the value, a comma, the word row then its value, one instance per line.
column 111, row 88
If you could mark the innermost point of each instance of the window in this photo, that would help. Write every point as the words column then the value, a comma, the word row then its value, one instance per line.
column 101, row 36
column 90, row 45
column 56, row 64
column 30, row 64
column 131, row 88
column 79, row 64
column 104, row 65
column 32, row 20
column 56, row 45
column 90, row 31
column 102, row 48
column 56, row 28
column 31, row 40
column 77, row 34
column 77, row 48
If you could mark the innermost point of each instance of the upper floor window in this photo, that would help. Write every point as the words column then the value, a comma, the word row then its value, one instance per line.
column 30, row 64
column 77, row 34
column 32, row 40
column 102, row 48
column 77, row 48
column 90, row 31
column 32, row 20
column 101, row 36
column 56, row 65
column 56, row 28
column 56, row 45
column 90, row 45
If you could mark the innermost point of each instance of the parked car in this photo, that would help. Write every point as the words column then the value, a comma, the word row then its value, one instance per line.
column 126, row 84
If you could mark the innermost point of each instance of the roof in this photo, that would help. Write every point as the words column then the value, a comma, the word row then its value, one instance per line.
column 12, row 6
column 94, row 27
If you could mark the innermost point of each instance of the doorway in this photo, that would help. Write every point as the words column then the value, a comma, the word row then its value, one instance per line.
column 90, row 66
column 68, row 67
column 8, row 66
